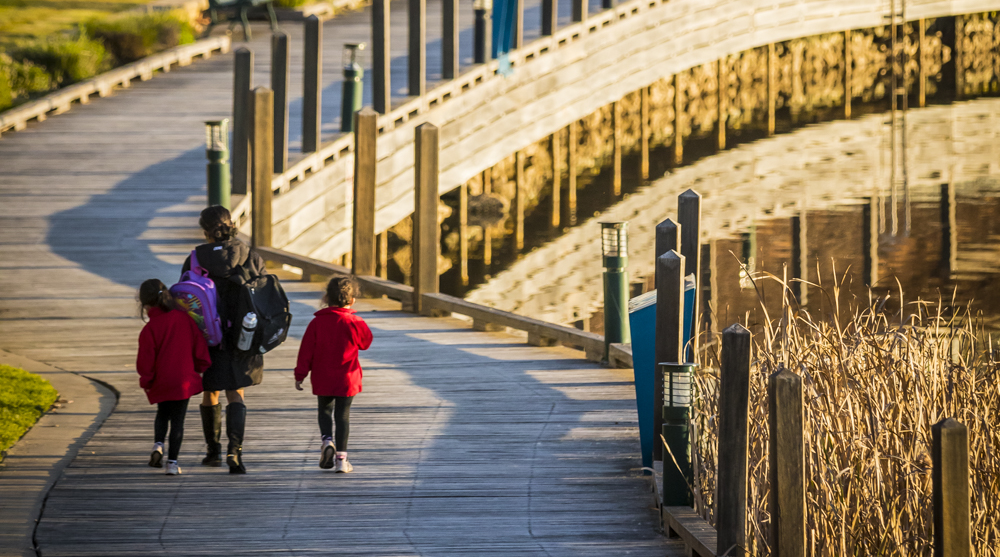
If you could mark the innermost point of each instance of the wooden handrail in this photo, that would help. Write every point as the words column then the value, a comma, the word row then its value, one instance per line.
column 60, row 101
column 691, row 528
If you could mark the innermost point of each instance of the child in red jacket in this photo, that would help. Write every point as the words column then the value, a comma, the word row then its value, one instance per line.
column 329, row 350
column 172, row 355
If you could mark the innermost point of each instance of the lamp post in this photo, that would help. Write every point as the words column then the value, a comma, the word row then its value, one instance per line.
column 482, row 31
column 678, row 383
column 350, row 101
column 614, row 251
column 217, row 153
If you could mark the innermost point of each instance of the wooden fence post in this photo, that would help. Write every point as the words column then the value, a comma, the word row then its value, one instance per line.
column 579, row 10
column 382, row 97
column 668, row 237
column 242, row 120
column 550, row 13
column 669, row 329
column 449, row 40
column 731, row 475
column 280, row 75
column 416, row 60
column 786, row 465
column 557, row 169
column 312, row 85
column 689, row 218
column 262, row 138
column 950, row 477
column 426, row 244
column 365, row 157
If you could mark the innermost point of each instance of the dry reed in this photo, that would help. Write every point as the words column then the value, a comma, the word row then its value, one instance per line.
column 873, row 385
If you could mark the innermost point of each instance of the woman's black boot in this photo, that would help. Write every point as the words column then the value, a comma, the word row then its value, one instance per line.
column 211, row 425
column 236, row 419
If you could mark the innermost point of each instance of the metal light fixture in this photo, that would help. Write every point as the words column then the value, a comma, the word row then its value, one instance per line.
column 678, row 383
column 351, row 99
column 614, row 255
column 217, row 153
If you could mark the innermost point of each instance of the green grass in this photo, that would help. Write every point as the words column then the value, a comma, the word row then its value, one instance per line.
column 24, row 397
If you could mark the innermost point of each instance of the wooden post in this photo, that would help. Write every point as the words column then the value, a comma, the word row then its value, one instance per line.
column 519, row 201
column 463, row 232
column 242, row 119
column 382, row 97
column 571, row 146
column 847, row 74
column 772, row 86
column 579, row 10
column 669, row 329
column 689, row 219
column 550, row 16
column 262, row 138
column 312, row 85
column 921, row 62
column 426, row 244
column 721, row 91
column 518, row 38
column 644, row 132
column 734, row 409
column 557, row 170
column 383, row 255
column 678, row 145
column 786, row 460
column 417, row 53
column 950, row 477
column 958, row 56
column 280, row 75
column 668, row 237
column 449, row 40
column 365, row 142
column 616, row 138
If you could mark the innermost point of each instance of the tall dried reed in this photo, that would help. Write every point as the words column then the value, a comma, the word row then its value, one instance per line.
column 873, row 383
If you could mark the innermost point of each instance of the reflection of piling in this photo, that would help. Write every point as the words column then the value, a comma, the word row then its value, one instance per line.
column 487, row 234
column 463, row 232
column 557, row 169
column 383, row 255
column 772, row 86
column 949, row 231
column 644, row 132
column 571, row 146
column 678, row 145
column 616, row 147
column 869, row 239
column 921, row 62
column 847, row 74
column 519, row 201
column 800, row 259
column 721, row 80
column 958, row 56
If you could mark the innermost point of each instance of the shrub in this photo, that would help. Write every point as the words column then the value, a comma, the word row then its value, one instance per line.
column 132, row 37
column 66, row 60
column 23, row 399
column 291, row 3
column 20, row 80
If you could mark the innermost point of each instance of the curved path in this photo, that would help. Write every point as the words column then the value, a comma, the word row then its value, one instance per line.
column 465, row 443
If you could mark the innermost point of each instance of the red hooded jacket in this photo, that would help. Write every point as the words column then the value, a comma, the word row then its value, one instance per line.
column 172, row 355
column 329, row 350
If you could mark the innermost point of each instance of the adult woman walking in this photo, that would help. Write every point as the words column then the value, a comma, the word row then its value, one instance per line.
column 232, row 370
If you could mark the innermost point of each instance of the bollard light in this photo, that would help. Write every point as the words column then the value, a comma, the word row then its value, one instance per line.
column 482, row 31
column 614, row 255
column 678, row 394
column 350, row 101
column 217, row 153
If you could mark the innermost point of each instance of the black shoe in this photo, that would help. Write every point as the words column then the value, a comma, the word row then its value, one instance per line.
column 236, row 417
column 235, row 461
column 211, row 425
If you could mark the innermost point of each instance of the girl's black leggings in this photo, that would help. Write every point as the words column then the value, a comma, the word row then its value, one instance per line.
column 340, row 407
column 170, row 413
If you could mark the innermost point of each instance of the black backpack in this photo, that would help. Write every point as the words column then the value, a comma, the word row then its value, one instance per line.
column 263, row 296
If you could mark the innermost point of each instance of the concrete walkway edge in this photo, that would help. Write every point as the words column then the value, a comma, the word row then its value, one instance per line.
column 35, row 463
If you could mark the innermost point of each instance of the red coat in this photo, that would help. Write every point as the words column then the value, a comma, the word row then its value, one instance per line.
column 329, row 350
column 172, row 355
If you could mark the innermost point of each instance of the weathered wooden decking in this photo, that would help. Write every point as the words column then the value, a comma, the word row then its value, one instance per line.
column 464, row 443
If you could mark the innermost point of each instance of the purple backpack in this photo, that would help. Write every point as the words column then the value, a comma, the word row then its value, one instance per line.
column 195, row 294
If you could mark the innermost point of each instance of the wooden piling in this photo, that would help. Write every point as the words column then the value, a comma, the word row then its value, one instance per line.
column 280, row 76
column 786, row 465
column 312, row 80
column 678, row 144
column 550, row 16
column 721, row 88
column 426, row 242
column 557, row 170
column 381, row 81
column 449, row 39
column 242, row 119
column 772, row 86
column 733, row 447
column 262, row 156
column 669, row 328
column 571, row 146
column 579, row 10
column 416, row 61
column 644, row 133
column 950, row 478
column 847, row 74
column 689, row 219
column 616, row 147
column 668, row 237
column 519, row 201
column 365, row 157
column 463, row 232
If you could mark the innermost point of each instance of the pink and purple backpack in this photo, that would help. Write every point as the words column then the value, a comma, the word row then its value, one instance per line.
column 196, row 294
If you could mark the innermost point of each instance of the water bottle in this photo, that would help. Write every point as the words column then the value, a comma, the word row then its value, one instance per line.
column 246, row 334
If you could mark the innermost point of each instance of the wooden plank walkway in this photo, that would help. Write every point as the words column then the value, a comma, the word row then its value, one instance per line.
column 464, row 443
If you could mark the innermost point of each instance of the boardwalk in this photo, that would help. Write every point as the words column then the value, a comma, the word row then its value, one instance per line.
column 465, row 443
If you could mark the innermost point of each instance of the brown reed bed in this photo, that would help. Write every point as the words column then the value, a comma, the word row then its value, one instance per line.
column 873, row 384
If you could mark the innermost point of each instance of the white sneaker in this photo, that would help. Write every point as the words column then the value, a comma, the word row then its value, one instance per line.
column 327, row 455
column 342, row 465
column 172, row 468
column 156, row 457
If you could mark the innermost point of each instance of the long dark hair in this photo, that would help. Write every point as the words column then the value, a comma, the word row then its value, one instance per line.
column 217, row 223
column 153, row 293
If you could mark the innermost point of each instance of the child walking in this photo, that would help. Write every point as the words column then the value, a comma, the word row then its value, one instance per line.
column 172, row 355
column 329, row 350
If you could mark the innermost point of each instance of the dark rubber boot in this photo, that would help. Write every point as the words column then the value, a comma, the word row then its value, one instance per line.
column 236, row 419
column 211, row 425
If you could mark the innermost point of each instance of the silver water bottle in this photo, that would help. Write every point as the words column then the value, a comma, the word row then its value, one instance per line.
column 246, row 333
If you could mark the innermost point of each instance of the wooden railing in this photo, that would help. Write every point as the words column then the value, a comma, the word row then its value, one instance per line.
column 102, row 85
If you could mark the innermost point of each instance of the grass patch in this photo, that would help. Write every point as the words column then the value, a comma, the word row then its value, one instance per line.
column 24, row 397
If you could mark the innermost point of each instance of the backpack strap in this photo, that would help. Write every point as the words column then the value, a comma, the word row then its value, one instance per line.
column 194, row 261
